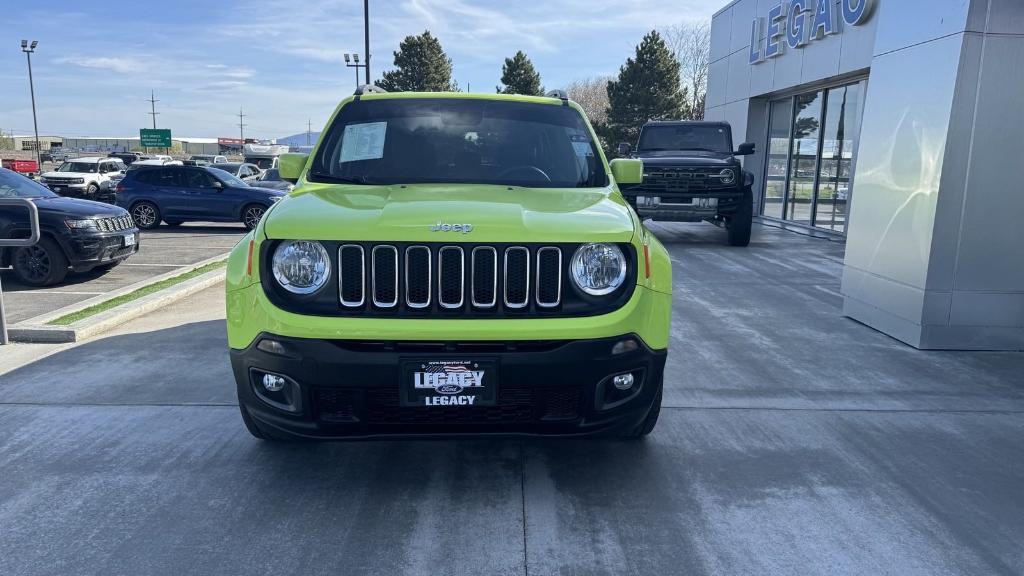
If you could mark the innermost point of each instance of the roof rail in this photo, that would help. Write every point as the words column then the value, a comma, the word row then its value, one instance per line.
column 369, row 89
column 557, row 94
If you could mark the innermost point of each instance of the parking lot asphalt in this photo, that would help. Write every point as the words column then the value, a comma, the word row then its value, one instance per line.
column 793, row 441
column 160, row 251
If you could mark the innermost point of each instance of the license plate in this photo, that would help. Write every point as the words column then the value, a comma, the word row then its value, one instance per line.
column 129, row 240
column 457, row 382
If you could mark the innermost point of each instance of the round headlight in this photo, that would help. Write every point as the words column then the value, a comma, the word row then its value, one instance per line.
column 598, row 269
column 301, row 266
column 727, row 175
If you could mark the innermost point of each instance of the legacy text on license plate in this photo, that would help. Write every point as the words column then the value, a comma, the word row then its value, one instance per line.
column 449, row 382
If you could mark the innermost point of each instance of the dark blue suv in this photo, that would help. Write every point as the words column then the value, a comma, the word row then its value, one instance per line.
column 176, row 194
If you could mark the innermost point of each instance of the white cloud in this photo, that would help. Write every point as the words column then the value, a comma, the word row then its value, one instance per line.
column 113, row 64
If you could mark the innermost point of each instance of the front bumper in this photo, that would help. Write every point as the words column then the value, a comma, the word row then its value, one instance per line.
column 68, row 190
column 684, row 207
column 350, row 388
column 86, row 251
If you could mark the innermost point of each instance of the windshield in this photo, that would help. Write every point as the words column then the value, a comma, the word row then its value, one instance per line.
column 14, row 185
column 709, row 138
column 263, row 163
column 87, row 167
column 228, row 178
column 435, row 140
column 270, row 175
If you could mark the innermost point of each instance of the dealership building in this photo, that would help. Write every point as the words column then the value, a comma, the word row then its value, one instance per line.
column 896, row 125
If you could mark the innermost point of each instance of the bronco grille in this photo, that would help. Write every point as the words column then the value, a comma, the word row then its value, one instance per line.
column 390, row 279
column 680, row 181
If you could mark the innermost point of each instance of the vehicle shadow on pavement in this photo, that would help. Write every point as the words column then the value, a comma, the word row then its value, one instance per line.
column 222, row 230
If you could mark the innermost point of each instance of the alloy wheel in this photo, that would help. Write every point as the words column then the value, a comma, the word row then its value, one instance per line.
column 34, row 263
column 144, row 215
column 253, row 215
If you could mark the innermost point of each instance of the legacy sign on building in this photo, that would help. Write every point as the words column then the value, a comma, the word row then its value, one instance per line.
column 797, row 22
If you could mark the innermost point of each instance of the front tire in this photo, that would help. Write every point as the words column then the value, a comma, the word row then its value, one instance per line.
column 252, row 214
column 91, row 190
column 738, row 225
column 42, row 264
column 146, row 215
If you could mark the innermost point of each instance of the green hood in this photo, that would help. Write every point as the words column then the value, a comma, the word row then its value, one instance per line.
column 408, row 213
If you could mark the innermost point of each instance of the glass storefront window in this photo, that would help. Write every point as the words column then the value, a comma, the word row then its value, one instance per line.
column 842, row 109
column 811, row 146
column 778, row 158
column 804, row 157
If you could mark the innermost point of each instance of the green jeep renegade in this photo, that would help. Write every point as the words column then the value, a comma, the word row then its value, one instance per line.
column 450, row 264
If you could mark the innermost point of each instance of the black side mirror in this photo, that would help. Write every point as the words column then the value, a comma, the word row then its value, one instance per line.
column 745, row 149
column 625, row 149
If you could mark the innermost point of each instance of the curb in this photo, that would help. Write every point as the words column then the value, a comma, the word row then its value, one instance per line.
column 36, row 330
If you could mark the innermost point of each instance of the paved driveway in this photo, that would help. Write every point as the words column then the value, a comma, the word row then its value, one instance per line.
column 793, row 441
column 160, row 251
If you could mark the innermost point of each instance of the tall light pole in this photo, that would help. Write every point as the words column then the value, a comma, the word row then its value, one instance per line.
column 349, row 58
column 28, row 50
column 366, row 38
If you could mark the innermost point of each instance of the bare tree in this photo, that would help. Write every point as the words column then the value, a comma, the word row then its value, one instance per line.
column 691, row 43
column 592, row 95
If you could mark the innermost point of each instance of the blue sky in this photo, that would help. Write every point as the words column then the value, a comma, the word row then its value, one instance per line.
column 281, row 60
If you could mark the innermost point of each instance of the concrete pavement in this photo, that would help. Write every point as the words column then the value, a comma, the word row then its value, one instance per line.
column 793, row 441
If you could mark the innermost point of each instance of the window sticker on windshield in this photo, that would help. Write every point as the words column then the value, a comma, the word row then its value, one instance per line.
column 363, row 141
column 583, row 148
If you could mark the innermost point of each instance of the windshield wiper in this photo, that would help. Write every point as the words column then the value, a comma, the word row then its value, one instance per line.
column 320, row 177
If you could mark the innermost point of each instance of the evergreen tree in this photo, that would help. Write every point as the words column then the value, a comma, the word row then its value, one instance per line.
column 519, row 77
column 647, row 88
column 420, row 66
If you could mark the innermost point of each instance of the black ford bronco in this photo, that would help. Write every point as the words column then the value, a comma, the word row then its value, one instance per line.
column 691, row 173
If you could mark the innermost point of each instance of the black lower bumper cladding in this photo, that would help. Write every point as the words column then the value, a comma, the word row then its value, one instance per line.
column 343, row 388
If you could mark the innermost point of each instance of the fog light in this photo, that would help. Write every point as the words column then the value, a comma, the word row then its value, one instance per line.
column 621, row 382
column 275, row 383
column 623, row 346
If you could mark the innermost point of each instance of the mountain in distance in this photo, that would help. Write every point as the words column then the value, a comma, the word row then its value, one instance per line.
column 299, row 139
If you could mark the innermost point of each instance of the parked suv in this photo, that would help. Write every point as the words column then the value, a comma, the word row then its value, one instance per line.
column 79, row 235
column 450, row 263
column 176, row 194
column 82, row 177
column 691, row 173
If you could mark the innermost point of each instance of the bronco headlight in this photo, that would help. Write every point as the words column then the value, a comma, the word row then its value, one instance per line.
column 727, row 175
column 598, row 269
column 301, row 266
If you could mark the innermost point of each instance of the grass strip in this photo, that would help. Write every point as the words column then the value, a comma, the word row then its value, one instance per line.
column 133, row 295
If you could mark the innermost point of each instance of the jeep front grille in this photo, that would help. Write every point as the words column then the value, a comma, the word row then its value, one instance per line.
column 418, row 277
column 449, row 280
column 115, row 224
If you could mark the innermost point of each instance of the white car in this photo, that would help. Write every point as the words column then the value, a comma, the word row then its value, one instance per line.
column 83, row 177
column 158, row 161
column 208, row 159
